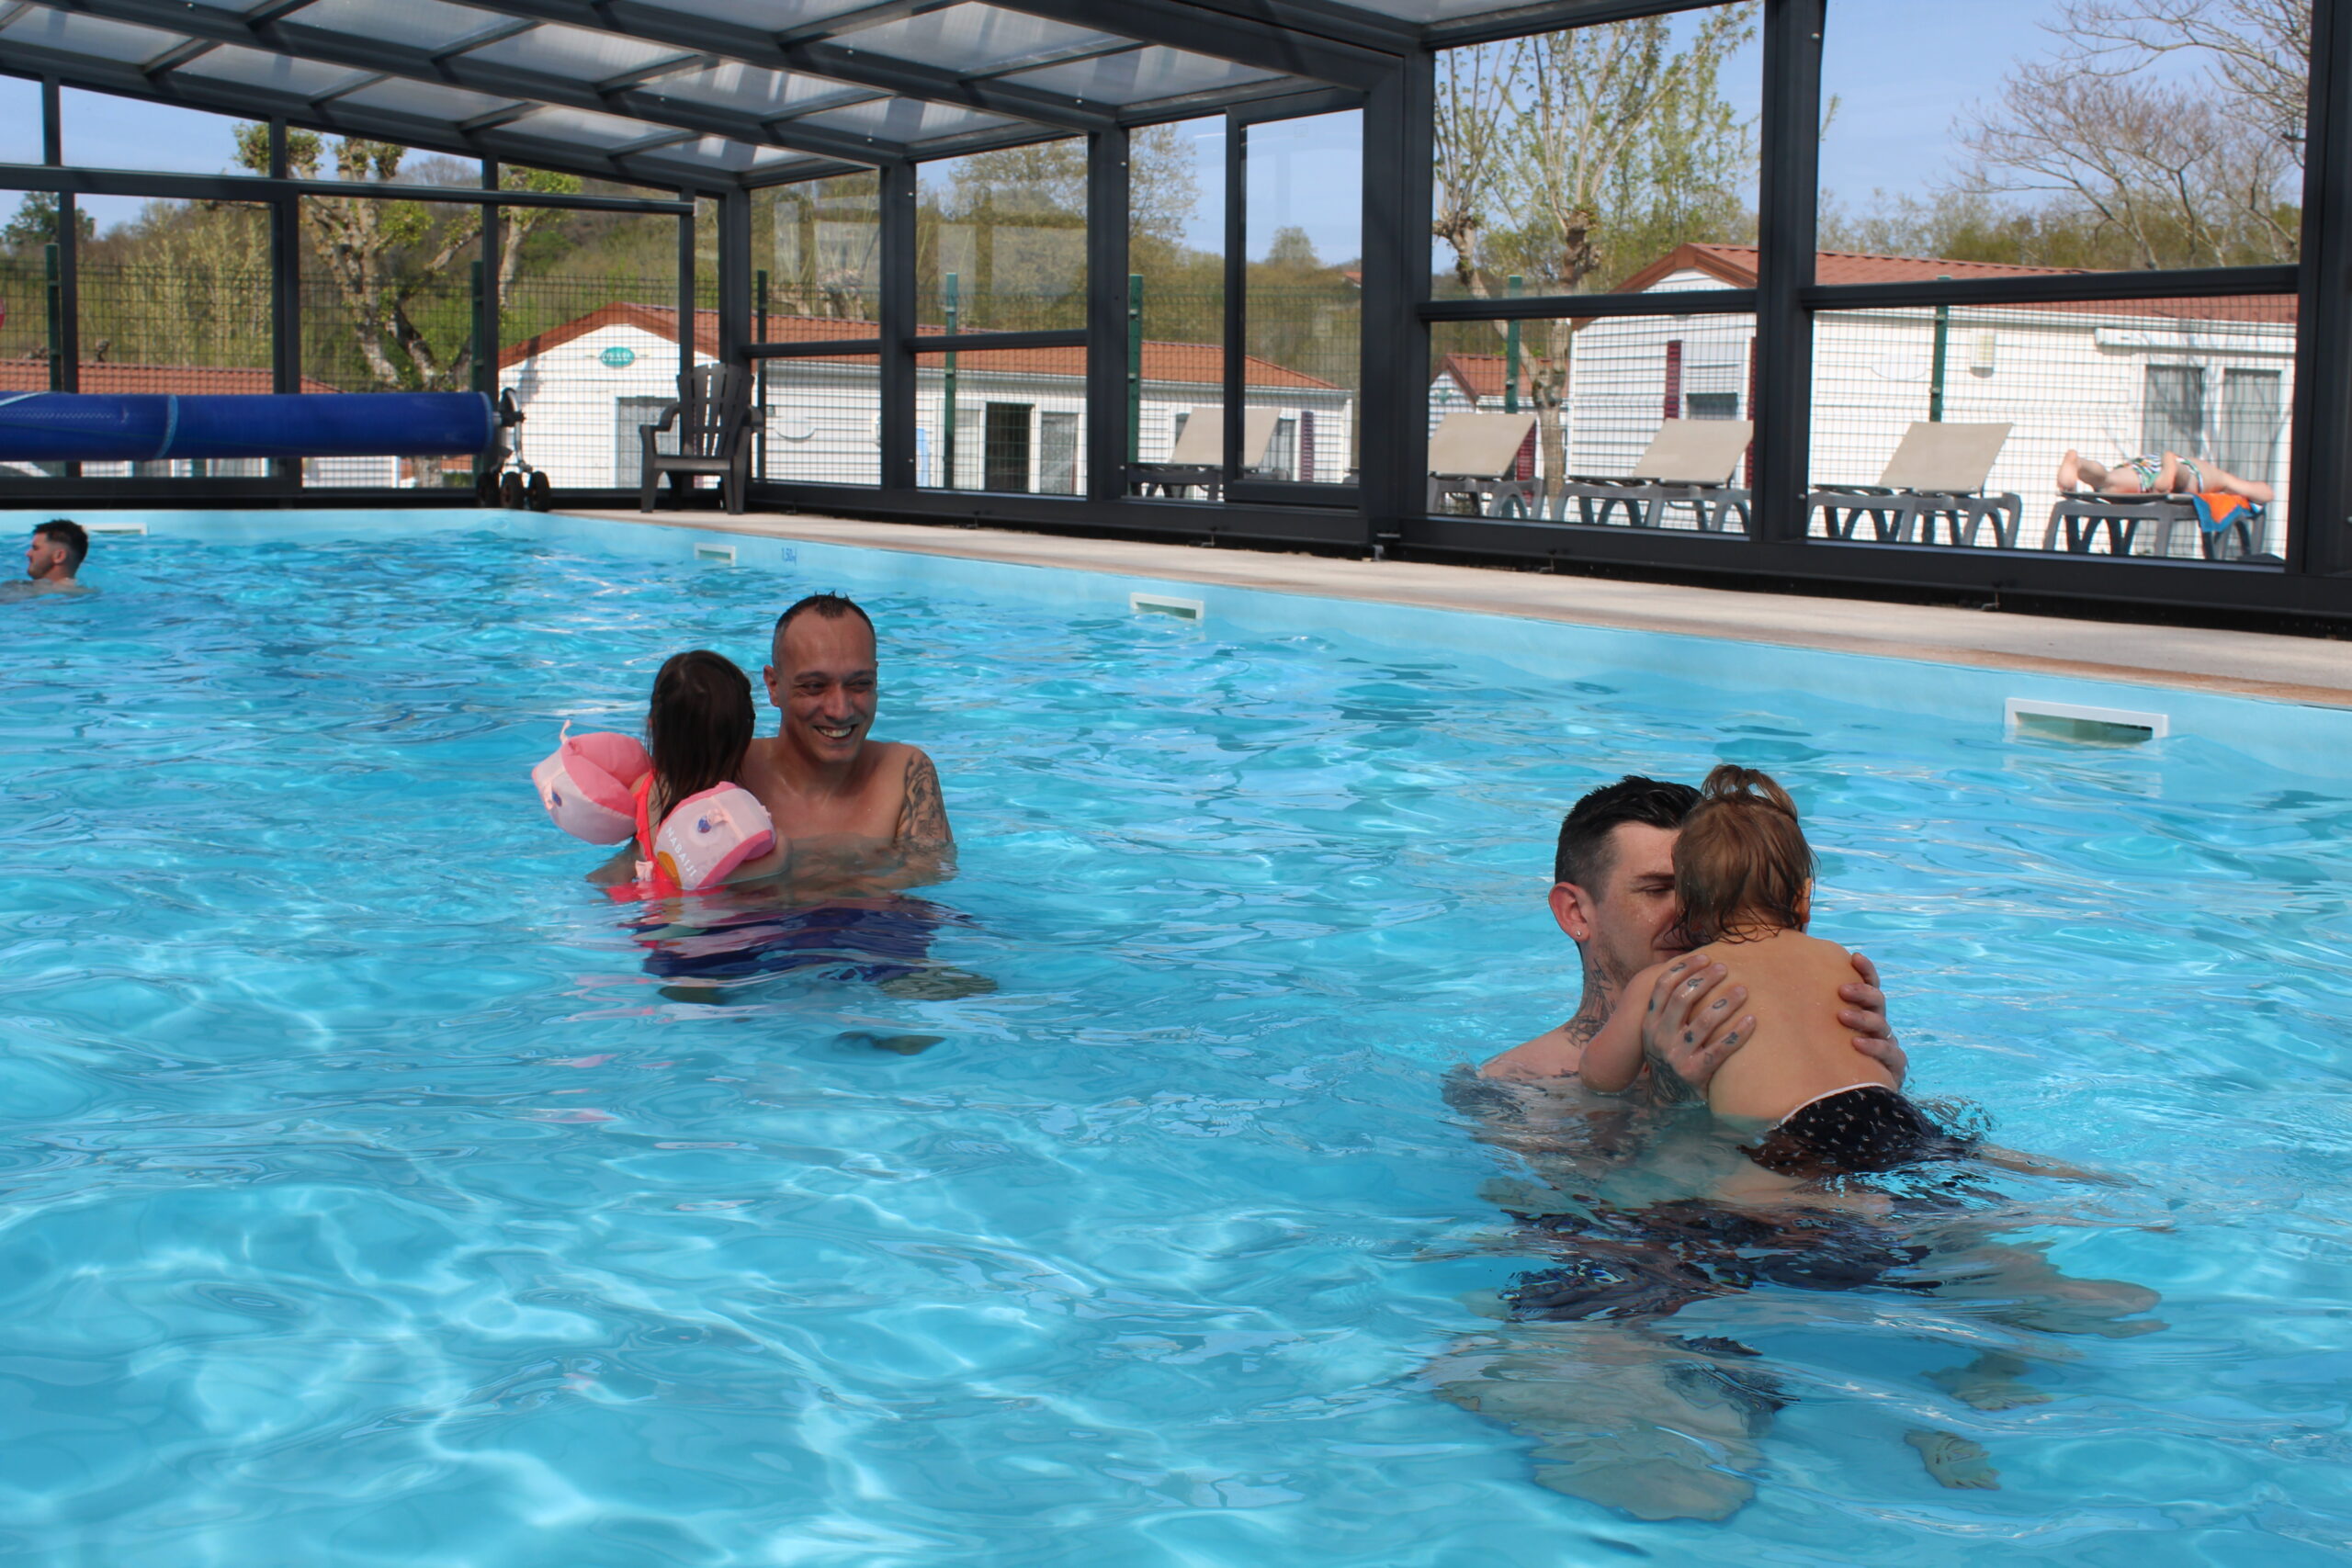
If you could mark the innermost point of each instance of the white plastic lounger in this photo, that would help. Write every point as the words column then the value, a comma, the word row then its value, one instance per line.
column 1937, row 472
column 1474, row 457
column 1689, row 462
column 1198, row 456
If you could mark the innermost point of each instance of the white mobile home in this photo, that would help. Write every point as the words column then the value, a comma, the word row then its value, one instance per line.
column 1008, row 419
column 2208, row 378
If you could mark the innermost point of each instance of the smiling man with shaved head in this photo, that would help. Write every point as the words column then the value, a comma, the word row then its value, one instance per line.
column 834, row 790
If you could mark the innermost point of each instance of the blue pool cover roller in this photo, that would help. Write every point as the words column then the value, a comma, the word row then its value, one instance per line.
column 64, row 427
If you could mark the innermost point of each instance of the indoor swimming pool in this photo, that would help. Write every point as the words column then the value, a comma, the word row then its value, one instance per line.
column 374, row 1191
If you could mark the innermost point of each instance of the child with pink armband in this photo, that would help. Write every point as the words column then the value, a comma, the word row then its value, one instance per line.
column 695, row 828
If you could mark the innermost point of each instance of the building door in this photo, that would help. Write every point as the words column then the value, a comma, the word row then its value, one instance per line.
column 2253, row 408
column 1006, row 466
column 2174, row 417
column 629, row 451
column 1058, row 454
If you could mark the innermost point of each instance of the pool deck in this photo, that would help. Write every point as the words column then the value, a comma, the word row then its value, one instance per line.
column 2282, row 669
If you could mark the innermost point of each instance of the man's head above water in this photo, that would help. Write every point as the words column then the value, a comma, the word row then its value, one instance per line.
column 821, row 678
column 55, row 552
column 1612, row 876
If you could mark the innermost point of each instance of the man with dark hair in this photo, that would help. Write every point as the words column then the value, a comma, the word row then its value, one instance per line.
column 54, row 554
column 1612, row 892
column 832, row 790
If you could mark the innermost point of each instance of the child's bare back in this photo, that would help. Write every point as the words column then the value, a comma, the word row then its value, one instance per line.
column 1743, row 876
column 1802, row 1051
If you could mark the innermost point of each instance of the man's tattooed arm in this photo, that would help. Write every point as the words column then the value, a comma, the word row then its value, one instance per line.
column 922, row 817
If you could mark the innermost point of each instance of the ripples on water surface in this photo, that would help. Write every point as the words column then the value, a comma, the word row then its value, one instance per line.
column 364, row 1199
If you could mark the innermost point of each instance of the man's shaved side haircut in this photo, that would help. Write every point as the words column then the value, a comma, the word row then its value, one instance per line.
column 1583, row 855
column 825, row 607
column 71, row 535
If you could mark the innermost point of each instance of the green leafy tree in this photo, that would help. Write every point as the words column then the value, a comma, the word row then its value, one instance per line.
column 389, row 260
column 35, row 224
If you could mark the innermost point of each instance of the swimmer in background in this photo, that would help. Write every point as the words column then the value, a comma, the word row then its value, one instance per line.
column 53, row 555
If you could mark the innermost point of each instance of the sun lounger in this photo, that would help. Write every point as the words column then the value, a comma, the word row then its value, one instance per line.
column 2075, row 521
column 1197, row 460
column 1689, row 462
column 1936, row 474
column 1474, row 457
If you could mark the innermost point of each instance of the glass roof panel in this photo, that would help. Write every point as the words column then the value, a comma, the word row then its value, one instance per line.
column 1436, row 10
column 555, row 123
column 705, row 153
column 576, row 53
column 417, row 24
column 770, row 16
column 904, row 120
column 972, row 38
column 425, row 100
column 1141, row 75
column 270, row 73
column 92, row 35
column 752, row 89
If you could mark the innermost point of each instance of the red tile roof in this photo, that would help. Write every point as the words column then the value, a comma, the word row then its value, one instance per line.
column 1481, row 375
column 1200, row 364
column 120, row 380
column 1735, row 267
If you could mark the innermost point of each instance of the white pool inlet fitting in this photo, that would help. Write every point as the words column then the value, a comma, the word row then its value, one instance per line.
column 137, row 529
column 2074, row 721
column 1168, row 604
column 723, row 554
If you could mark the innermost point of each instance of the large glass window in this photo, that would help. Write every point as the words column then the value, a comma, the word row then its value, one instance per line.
column 1584, row 160
column 1641, row 421
column 1001, row 240
column 2057, row 418
column 1006, row 420
column 2127, row 133
column 1303, row 233
column 820, row 242
column 1176, row 291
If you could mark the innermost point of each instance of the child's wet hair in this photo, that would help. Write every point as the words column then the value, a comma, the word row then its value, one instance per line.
column 698, row 726
column 1741, row 865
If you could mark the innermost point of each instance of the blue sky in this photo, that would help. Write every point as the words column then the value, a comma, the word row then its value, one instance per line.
column 1901, row 70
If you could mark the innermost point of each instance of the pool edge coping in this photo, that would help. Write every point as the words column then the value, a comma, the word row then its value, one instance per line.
column 1176, row 562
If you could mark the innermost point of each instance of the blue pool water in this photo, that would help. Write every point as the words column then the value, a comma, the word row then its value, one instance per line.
column 364, row 1198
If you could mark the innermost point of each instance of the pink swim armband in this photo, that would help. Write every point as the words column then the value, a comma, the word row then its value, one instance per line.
column 587, row 785
column 708, row 836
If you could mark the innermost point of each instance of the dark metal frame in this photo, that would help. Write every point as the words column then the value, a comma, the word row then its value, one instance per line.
column 1325, row 54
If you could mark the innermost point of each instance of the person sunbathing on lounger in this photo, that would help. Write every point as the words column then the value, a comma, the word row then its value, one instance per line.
column 2166, row 473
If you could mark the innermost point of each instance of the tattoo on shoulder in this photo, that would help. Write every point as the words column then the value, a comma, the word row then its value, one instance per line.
column 922, row 816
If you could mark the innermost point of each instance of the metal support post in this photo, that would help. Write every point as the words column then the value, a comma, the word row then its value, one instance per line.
column 2318, row 490
column 898, row 326
column 1111, row 425
column 1235, row 358
column 63, row 262
column 1788, row 196
column 687, row 301
column 950, row 297
column 1398, row 125
column 285, row 272
column 759, row 372
column 1511, row 287
column 734, row 275
column 1937, row 360
column 1135, row 367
